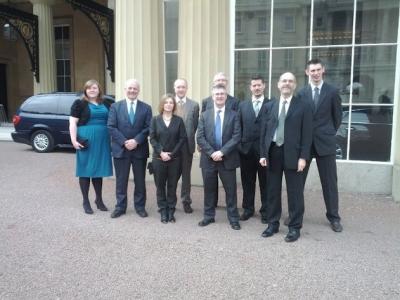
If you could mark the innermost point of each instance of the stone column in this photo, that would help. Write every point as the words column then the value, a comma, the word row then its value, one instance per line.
column 204, row 36
column 109, row 85
column 396, row 129
column 47, row 57
column 139, row 47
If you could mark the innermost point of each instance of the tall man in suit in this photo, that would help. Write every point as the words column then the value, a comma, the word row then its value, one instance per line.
column 129, row 125
column 251, row 114
column 327, row 117
column 218, row 136
column 285, row 149
column 231, row 103
column 188, row 110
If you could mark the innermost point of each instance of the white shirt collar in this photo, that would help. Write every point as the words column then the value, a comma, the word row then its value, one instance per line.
column 217, row 109
column 129, row 101
column 177, row 99
column 253, row 98
column 281, row 99
column 319, row 86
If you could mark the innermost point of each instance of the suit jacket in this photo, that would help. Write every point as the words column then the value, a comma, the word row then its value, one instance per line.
column 230, row 139
column 231, row 103
column 327, row 117
column 191, row 120
column 167, row 139
column 251, row 126
column 121, row 129
column 297, row 134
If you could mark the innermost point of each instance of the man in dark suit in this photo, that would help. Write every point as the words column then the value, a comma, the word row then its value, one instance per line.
column 218, row 135
column 327, row 117
column 251, row 113
column 129, row 125
column 231, row 103
column 285, row 149
column 188, row 110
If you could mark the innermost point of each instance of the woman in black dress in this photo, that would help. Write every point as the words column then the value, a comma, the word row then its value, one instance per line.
column 167, row 136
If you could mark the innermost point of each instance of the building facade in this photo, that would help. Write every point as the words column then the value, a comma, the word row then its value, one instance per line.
column 157, row 41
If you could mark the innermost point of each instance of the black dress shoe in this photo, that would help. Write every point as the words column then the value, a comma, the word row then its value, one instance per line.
column 246, row 215
column 270, row 231
column 206, row 222
column 100, row 205
column 293, row 235
column 87, row 208
column 171, row 217
column 142, row 213
column 235, row 226
column 117, row 213
column 336, row 226
column 286, row 221
column 187, row 208
column 164, row 216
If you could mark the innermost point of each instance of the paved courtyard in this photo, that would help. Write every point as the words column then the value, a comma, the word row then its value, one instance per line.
column 49, row 249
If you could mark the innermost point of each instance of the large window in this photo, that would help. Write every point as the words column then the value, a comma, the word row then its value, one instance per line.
column 356, row 39
column 63, row 57
column 171, row 14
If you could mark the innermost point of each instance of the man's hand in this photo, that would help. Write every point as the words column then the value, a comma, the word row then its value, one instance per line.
column 217, row 156
column 165, row 156
column 301, row 165
column 263, row 161
column 131, row 144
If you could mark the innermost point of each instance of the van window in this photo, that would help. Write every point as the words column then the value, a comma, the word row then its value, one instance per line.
column 41, row 105
column 65, row 103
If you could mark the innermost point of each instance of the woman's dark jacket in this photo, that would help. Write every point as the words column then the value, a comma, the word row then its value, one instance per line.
column 80, row 109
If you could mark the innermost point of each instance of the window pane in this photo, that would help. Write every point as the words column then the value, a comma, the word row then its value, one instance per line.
column 377, row 21
column 370, row 132
column 374, row 73
column 288, row 60
column 252, row 26
column 337, row 68
column 291, row 23
column 171, row 25
column 333, row 22
column 247, row 64
column 171, row 70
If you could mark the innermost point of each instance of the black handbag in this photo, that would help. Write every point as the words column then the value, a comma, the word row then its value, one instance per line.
column 83, row 141
column 150, row 167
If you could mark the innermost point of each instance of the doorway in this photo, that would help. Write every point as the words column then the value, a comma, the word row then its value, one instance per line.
column 3, row 94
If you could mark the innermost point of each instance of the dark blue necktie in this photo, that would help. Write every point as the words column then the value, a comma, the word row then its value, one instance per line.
column 218, row 131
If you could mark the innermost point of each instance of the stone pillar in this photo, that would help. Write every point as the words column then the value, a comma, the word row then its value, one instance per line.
column 204, row 36
column 139, row 47
column 109, row 85
column 396, row 129
column 47, row 57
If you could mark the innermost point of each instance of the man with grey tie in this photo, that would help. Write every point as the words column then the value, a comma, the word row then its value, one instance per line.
column 327, row 117
column 251, row 113
column 188, row 110
column 285, row 148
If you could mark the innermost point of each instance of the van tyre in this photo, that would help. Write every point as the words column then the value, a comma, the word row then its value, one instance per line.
column 42, row 141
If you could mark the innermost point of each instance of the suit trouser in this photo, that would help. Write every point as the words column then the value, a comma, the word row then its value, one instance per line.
column 187, row 159
column 166, row 176
column 210, row 180
column 122, row 170
column 249, row 169
column 328, row 176
column 294, row 186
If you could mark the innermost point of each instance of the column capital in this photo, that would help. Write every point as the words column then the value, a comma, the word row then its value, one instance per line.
column 48, row 2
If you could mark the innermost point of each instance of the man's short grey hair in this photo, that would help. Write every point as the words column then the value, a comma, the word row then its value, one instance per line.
column 130, row 81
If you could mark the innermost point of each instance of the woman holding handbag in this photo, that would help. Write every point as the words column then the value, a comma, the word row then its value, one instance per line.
column 167, row 136
column 90, row 138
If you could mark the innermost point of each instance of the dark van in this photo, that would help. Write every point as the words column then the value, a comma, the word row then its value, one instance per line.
column 42, row 121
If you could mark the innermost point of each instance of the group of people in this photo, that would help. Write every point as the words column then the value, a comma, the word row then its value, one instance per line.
column 266, row 138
